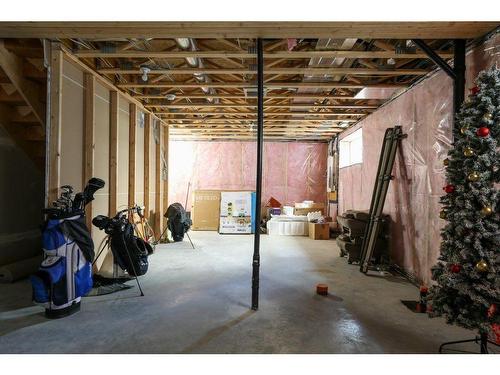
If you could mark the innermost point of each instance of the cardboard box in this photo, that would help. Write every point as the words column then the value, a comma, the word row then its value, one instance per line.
column 236, row 212
column 302, row 209
column 205, row 212
column 319, row 231
column 305, row 211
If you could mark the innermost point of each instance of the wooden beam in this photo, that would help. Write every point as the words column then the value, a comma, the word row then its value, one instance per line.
column 277, row 71
column 246, row 29
column 267, row 113
column 166, row 138
column 250, row 137
column 158, row 185
column 286, row 84
column 131, row 153
column 243, row 96
column 88, row 137
column 56, row 67
column 281, row 55
column 147, row 142
column 319, row 106
column 13, row 68
column 225, row 124
column 113, row 151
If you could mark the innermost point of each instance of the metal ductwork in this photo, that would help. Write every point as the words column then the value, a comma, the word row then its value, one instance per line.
column 196, row 62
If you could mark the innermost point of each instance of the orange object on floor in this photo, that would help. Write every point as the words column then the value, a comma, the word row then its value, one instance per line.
column 322, row 289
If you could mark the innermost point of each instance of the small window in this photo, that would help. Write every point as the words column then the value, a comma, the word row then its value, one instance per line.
column 351, row 149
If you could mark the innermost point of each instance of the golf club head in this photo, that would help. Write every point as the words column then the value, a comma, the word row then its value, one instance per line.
column 93, row 185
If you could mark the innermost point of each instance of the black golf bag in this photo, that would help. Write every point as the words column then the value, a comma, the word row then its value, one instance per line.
column 65, row 274
column 130, row 252
column 178, row 221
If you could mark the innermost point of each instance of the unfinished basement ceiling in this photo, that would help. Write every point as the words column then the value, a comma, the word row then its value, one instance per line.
column 205, row 88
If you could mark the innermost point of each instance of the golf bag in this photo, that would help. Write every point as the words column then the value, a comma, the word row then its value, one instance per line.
column 65, row 274
column 178, row 221
column 130, row 252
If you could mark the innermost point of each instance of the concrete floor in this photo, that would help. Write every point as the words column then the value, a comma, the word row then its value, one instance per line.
column 197, row 301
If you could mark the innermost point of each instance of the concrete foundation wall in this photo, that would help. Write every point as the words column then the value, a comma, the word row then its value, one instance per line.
column 425, row 113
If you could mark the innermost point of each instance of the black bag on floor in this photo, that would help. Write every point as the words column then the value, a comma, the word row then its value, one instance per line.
column 135, row 260
column 130, row 252
column 178, row 221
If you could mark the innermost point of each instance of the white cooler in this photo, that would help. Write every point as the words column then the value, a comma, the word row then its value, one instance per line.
column 288, row 226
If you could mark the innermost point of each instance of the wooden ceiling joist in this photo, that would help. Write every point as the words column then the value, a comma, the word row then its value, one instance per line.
column 285, row 55
column 224, row 30
column 242, row 96
column 318, row 106
column 266, row 113
column 279, row 71
column 277, row 85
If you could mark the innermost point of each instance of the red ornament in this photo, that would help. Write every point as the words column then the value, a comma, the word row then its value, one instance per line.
column 483, row 131
column 455, row 268
column 449, row 188
column 496, row 330
column 474, row 91
column 492, row 311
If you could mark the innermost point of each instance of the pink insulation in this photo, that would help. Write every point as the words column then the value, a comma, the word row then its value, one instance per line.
column 292, row 172
column 425, row 113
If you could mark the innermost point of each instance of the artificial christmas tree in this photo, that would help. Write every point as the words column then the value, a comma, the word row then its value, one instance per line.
column 467, row 292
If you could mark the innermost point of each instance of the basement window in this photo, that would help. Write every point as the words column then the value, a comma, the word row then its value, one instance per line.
column 351, row 149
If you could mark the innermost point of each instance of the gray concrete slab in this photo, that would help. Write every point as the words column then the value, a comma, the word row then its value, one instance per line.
column 197, row 301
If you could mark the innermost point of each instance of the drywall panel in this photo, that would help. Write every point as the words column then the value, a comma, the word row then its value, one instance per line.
column 122, row 163
column 72, row 127
column 292, row 172
column 139, row 159
column 100, row 205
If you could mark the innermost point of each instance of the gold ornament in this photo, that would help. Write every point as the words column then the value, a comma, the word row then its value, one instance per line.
column 463, row 130
column 482, row 266
column 468, row 152
column 442, row 214
column 486, row 211
column 473, row 177
column 487, row 117
column 446, row 162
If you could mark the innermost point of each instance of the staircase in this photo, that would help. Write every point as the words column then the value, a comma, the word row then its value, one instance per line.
column 23, row 95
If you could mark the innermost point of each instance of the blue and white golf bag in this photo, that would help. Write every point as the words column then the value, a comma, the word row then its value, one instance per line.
column 65, row 275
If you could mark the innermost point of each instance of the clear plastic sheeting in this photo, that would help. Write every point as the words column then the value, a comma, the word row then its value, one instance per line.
column 425, row 113
column 292, row 172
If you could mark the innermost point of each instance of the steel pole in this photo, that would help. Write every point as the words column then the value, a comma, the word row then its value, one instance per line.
column 258, row 187
column 459, row 70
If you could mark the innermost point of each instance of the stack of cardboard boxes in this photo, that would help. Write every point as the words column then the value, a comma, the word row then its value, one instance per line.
column 229, row 212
